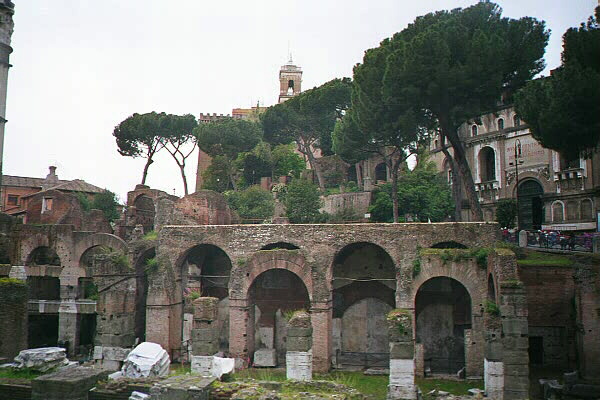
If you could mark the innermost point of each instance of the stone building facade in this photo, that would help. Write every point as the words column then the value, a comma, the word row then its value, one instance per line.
column 553, row 193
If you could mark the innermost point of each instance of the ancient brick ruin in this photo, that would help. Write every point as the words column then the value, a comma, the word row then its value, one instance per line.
column 468, row 306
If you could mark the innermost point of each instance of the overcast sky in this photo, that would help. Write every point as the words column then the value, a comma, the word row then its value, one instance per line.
column 80, row 67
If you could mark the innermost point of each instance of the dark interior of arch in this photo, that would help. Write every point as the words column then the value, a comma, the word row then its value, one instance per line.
column 443, row 312
column 280, row 245
column 491, row 292
column 141, row 292
column 208, row 269
column 144, row 207
column 381, row 172
column 43, row 255
column 275, row 293
column 449, row 245
column 364, row 291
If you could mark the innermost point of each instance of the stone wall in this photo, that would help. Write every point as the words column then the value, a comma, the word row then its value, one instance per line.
column 587, row 303
column 359, row 202
column 312, row 262
column 13, row 314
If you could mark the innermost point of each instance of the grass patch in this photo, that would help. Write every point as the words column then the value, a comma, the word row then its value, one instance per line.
column 152, row 235
column 447, row 385
column 261, row 374
column 20, row 374
column 373, row 386
column 543, row 259
column 179, row 369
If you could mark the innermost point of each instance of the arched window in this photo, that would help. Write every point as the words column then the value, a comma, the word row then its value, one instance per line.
column 586, row 209
column 381, row 172
column 474, row 130
column 500, row 124
column 516, row 120
column 572, row 210
column 435, row 144
column 558, row 212
column 487, row 164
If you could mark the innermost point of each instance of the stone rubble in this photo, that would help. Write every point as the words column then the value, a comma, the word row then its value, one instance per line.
column 42, row 359
column 147, row 359
column 139, row 396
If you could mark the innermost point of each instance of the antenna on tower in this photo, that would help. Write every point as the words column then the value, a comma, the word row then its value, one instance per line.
column 290, row 53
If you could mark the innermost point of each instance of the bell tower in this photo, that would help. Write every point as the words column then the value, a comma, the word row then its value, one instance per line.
column 290, row 80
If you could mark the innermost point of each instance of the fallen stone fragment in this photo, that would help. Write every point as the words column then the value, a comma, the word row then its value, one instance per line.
column 139, row 396
column 42, row 359
column 475, row 392
column 147, row 359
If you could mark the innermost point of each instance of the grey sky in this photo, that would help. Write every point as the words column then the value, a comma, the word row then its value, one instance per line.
column 80, row 67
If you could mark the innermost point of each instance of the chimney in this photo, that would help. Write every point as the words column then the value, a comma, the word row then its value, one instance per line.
column 51, row 177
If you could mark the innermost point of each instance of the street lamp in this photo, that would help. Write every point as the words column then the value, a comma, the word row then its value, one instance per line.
column 517, row 162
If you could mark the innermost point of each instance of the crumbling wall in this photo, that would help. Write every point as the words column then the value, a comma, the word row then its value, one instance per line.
column 357, row 201
column 587, row 302
column 13, row 314
column 550, row 293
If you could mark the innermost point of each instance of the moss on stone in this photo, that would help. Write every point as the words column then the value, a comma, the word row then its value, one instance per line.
column 511, row 284
column 479, row 254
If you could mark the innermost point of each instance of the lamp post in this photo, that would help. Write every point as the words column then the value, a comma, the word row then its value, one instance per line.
column 517, row 161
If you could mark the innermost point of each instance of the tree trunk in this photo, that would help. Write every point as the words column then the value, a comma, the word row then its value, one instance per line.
column 185, row 185
column 145, row 173
column 456, row 186
column 463, row 168
column 359, row 181
column 232, row 181
column 313, row 164
column 394, row 191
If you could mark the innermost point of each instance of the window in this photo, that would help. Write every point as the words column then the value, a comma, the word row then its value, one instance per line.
column 569, row 163
column 487, row 164
column 46, row 204
column 572, row 210
column 516, row 120
column 12, row 200
column 500, row 124
column 435, row 144
column 586, row 209
column 557, row 212
column 474, row 130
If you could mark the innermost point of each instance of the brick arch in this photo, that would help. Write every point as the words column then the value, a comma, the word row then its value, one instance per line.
column 98, row 239
column 29, row 244
column 263, row 261
column 544, row 182
column 340, row 246
column 463, row 272
column 178, row 259
column 32, row 242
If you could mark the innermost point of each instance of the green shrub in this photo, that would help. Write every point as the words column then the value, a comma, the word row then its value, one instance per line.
column 506, row 213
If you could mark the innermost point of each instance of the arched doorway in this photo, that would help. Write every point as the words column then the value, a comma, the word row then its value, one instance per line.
column 205, row 272
column 381, row 172
column 443, row 312
column 530, row 211
column 487, row 164
column 43, row 286
column 144, row 212
column 145, row 263
column 351, row 175
column 275, row 294
column 364, row 283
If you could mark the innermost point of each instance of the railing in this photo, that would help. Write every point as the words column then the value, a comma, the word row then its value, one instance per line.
column 554, row 240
